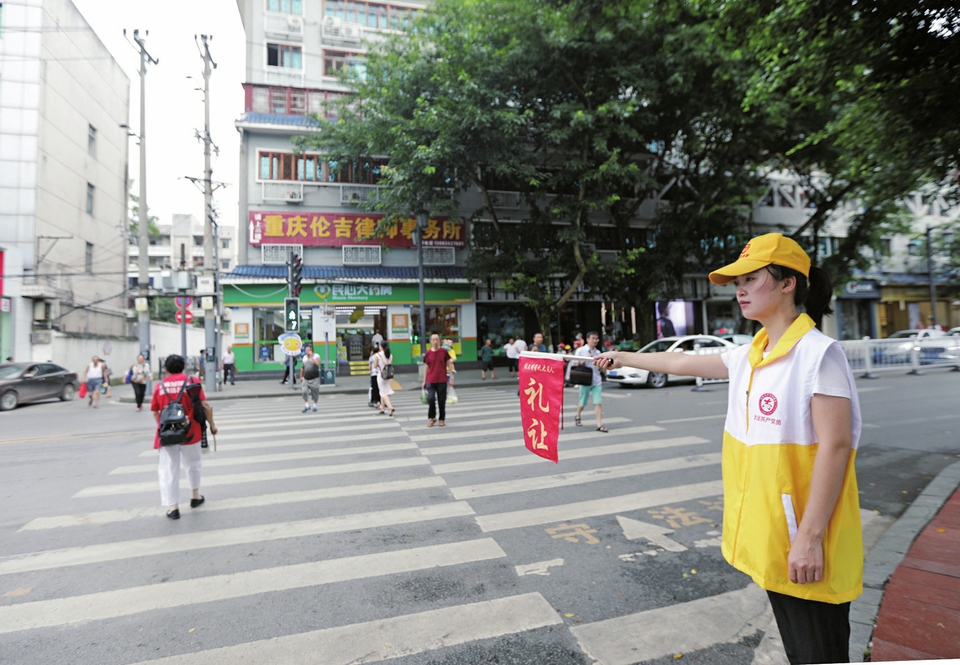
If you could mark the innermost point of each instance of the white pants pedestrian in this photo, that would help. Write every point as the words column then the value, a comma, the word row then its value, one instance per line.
column 169, row 467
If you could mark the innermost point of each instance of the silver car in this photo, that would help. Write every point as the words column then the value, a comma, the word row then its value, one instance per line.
column 31, row 382
column 629, row 376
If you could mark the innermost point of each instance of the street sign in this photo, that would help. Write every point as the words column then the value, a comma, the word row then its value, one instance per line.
column 291, row 343
column 189, row 316
column 206, row 303
column 184, row 302
column 141, row 304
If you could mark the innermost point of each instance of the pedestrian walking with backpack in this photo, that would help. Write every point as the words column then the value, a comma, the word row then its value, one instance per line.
column 384, row 367
column 183, row 414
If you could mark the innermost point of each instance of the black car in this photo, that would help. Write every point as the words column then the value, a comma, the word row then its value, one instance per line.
column 32, row 382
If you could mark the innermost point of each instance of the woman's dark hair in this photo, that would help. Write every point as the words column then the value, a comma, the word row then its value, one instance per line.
column 173, row 364
column 385, row 347
column 813, row 294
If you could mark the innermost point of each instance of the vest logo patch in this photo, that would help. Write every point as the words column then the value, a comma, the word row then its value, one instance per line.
column 768, row 404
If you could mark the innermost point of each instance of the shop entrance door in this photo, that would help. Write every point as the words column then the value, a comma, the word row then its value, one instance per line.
column 356, row 326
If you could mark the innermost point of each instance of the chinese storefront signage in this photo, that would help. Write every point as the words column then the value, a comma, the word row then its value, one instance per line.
column 352, row 293
column 336, row 229
column 541, row 398
column 241, row 331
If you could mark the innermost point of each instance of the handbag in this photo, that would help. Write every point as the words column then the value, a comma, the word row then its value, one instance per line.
column 129, row 377
column 82, row 392
column 581, row 375
column 386, row 372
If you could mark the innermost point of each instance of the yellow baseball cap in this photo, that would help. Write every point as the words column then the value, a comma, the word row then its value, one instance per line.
column 762, row 251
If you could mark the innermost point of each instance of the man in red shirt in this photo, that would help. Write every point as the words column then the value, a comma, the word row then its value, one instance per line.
column 188, row 452
column 438, row 362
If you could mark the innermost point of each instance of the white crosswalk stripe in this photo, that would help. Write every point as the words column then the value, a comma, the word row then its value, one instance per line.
column 353, row 506
column 389, row 638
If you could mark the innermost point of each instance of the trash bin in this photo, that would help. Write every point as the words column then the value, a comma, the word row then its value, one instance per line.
column 329, row 375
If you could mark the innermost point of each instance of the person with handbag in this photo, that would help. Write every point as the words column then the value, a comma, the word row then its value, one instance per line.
column 437, row 361
column 139, row 374
column 93, row 377
column 595, row 389
column 384, row 367
column 177, row 386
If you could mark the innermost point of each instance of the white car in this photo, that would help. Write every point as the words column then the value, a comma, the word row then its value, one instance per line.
column 739, row 340
column 629, row 376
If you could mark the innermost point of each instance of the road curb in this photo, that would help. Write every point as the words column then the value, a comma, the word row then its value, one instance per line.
column 890, row 551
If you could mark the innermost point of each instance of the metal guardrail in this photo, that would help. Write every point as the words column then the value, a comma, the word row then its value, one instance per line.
column 910, row 355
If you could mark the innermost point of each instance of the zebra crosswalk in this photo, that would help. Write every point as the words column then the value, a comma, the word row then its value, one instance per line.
column 347, row 536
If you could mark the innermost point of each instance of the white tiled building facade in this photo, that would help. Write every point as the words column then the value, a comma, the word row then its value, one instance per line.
column 63, row 173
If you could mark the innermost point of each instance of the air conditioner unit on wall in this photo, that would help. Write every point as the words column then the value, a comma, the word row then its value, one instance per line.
column 294, row 196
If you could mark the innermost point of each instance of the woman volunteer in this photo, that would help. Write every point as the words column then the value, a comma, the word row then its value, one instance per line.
column 791, row 510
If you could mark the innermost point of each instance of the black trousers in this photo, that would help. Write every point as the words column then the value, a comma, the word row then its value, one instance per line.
column 230, row 373
column 812, row 631
column 139, row 390
column 374, row 389
column 437, row 392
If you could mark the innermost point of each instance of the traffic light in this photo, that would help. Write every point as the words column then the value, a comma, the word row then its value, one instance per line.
column 296, row 275
column 291, row 314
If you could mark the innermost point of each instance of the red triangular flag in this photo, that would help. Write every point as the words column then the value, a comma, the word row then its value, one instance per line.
column 541, row 398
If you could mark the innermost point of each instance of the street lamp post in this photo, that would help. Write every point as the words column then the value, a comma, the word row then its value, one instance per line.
column 423, row 218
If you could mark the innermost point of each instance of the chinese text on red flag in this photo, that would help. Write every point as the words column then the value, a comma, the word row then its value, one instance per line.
column 541, row 398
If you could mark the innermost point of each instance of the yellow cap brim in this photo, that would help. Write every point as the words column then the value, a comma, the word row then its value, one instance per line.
column 728, row 273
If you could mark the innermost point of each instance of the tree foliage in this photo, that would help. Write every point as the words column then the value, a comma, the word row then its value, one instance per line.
column 588, row 109
column 872, row 86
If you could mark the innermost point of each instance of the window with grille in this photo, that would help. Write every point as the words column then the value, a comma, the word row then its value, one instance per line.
column 281, row 55
column 272, row 255
column 439, row 256
column 365, row 255
column 285, row 6
column 260, row 103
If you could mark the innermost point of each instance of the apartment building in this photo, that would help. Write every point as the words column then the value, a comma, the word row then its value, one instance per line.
column 63, row 179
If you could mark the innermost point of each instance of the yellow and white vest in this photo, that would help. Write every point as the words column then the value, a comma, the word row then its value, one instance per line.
column 769, row 445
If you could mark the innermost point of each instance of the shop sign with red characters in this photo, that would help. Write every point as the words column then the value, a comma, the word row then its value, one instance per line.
column 541, row 400
column 324, row 229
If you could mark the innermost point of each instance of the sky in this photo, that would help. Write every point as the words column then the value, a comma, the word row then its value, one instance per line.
column 174, row 107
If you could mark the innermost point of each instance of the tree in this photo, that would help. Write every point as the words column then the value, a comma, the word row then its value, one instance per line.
column 873, row 86
column 152, row 229
column 588, row 109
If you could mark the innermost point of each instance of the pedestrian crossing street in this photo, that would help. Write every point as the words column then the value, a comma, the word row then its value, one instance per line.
column 346, row 536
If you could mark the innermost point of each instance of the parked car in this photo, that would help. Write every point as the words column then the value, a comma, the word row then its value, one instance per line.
column 31, row 382
column 628, row 376
column 738, row 340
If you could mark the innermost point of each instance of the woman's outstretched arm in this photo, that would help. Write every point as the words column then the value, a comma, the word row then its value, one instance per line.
column 668, row 362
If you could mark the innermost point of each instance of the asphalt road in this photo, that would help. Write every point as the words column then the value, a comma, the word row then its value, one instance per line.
column 345, row 536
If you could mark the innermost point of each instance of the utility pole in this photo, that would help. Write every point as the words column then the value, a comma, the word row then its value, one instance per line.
column 933, row 286
column 143, row 223
column 209, row 238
